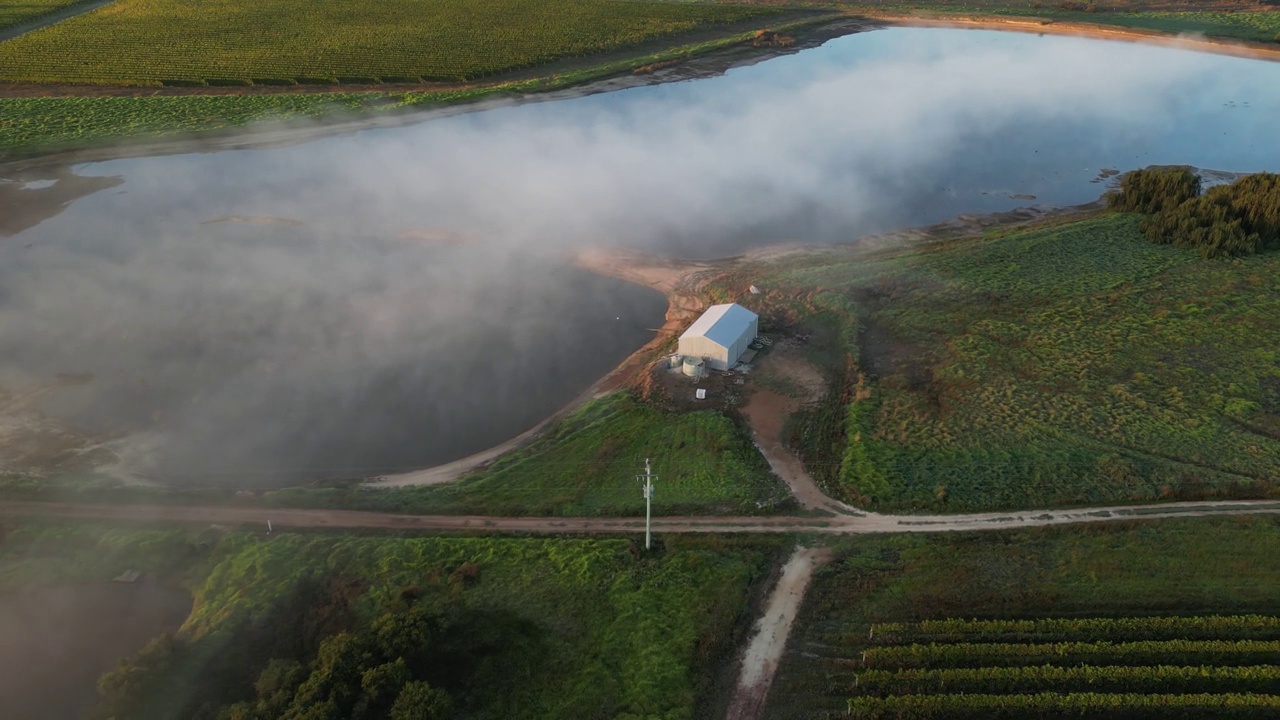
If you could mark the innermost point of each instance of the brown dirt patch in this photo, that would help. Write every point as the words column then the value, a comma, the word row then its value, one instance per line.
column 767, row 410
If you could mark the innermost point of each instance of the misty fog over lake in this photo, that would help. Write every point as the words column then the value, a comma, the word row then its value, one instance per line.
column 399, row 297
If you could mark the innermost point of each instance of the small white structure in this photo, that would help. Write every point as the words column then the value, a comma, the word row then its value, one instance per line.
column 692, row 366
column 721, row 335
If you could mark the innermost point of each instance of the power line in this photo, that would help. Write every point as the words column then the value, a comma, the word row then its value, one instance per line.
column 647, row 477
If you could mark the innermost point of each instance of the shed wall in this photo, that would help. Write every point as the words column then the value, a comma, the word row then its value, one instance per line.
column 718, row 356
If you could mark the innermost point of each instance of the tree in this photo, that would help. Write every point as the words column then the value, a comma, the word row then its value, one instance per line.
column 382, row 684
column 420, row 701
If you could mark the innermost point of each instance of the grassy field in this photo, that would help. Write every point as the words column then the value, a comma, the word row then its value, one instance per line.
column 587, row 466
column 1144, row 612
column 15, row 12
column 1070, row 364
column 152, row 42
column 562, row 627
column 42, row 554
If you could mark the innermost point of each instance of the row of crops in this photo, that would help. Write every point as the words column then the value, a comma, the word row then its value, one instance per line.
column 1158, row 667
column 238, row 42
column 1217, row 627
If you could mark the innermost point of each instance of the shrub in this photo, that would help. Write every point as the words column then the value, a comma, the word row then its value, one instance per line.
column 1155, row 189
column 1242, row 218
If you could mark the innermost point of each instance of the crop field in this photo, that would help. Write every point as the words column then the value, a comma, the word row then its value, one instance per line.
column 238, row 42
column 587, row 465
column 1069, row 364
column 556, row 627
column 16, row 12
column 1085, row 670
column 44, row 124
column 1172, row 619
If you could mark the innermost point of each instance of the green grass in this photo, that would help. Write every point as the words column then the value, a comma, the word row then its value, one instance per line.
column 1070, row 364
column 151, row 42
column 1260, row 26
column 607, row 630
column 1185, row 567
column 43, row 553
column 587, row 465
column 613, row 632
column 16, row 12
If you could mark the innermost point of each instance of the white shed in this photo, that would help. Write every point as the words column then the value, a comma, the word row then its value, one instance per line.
column 721, row 335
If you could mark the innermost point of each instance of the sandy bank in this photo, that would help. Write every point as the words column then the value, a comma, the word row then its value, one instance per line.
column 1217, row 46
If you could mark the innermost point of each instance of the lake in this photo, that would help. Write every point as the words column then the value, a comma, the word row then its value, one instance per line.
column 399, row 297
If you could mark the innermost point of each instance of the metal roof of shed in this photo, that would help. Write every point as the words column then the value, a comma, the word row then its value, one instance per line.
column 721, row 324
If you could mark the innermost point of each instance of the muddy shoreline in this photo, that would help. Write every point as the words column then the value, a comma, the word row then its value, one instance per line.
column 1217, row 46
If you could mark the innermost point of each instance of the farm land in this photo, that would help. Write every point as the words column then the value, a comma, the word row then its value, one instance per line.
column 1065, row 363
column 154, row 42
column 1042, row 623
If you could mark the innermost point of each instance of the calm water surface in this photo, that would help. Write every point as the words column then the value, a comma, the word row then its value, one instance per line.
column 409, row 302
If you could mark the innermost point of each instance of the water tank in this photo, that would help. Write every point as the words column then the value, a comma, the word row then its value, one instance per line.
column 693, row 366
column 674, row 361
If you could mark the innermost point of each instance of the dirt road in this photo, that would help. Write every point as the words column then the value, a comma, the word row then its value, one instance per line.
column 285, row 518
column 764, row 654
column 767, row 411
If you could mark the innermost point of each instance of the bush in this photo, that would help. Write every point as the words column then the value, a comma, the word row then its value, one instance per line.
column 1155, row 189
column 1242, row 218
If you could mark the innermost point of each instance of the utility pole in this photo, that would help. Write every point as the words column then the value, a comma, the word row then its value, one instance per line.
column 647, row 477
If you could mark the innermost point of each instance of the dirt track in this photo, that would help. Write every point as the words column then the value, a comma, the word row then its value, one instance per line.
column 870, row 523
column 764, row 654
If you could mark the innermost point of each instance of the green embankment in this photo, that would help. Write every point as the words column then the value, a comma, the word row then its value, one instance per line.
column 510, row 627
column 1069, row 364
column 1089, row 610
column 587, row 465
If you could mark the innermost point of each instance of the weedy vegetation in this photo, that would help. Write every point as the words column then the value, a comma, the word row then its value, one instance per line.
column 1064, row 363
